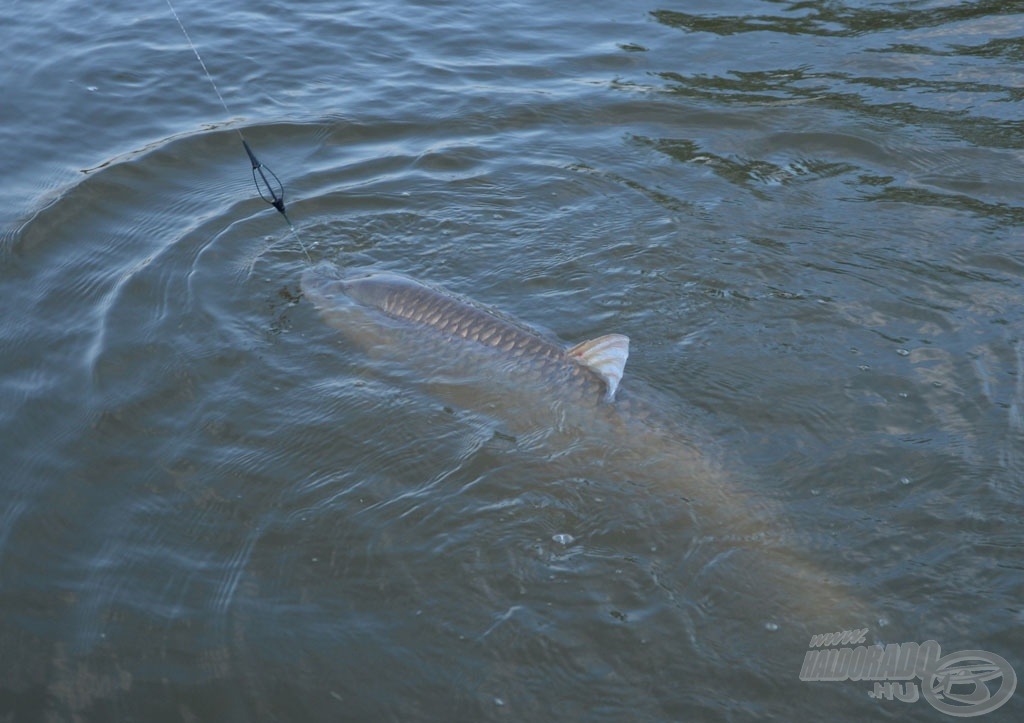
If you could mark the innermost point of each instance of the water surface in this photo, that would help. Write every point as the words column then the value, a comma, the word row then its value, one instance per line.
column 806, row 216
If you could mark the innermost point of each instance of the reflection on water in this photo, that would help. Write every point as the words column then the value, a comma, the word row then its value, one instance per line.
column 806, row 216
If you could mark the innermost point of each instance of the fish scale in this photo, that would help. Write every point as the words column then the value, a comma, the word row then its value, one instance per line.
column 422, row 304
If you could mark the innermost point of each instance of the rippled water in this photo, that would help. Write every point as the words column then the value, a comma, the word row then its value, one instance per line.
column 807, row 217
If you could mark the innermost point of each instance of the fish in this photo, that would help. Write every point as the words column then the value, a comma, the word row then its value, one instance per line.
column 573, row 402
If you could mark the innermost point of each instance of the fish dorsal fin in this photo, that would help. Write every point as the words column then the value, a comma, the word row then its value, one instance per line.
column 606, row 355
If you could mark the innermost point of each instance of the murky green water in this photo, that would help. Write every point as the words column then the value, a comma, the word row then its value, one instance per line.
column 807, row 217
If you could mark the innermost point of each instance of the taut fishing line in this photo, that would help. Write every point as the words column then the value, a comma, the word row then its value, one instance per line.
column 268, row 185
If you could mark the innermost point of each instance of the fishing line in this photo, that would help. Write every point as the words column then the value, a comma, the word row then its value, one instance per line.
column 268, row 185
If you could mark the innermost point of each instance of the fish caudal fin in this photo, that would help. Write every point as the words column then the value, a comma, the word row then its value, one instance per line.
column 606, row 355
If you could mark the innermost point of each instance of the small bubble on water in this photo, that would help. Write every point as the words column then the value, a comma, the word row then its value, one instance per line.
column 563, row 539
column 771, row 627
column 499, row 702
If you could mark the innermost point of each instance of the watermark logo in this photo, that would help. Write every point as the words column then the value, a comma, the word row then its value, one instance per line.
column 964, row 684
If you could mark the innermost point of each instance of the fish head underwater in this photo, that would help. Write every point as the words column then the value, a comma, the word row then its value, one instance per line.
column 325, row 286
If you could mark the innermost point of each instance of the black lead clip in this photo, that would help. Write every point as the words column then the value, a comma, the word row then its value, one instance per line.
column 271, row 192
